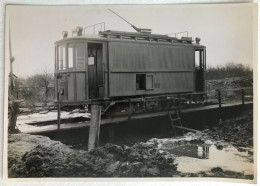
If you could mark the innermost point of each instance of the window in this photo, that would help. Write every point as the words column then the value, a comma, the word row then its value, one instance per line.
column 70, row 56
column 149, row 82
column 140, row 81
column 62, row 57
column 199, row 59
column 80, row 55
column 91, row 57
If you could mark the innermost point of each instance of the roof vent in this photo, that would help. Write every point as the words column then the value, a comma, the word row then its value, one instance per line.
column 78, row 31
column 197, row 39
column 65, row 34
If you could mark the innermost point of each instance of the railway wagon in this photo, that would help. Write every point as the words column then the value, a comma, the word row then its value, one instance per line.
column 115, row 65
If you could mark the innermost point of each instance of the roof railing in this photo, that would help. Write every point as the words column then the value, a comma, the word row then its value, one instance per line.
column 102, row 26
column 175, row 34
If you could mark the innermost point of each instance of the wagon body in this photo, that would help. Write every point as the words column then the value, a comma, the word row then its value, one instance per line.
column 119, row 64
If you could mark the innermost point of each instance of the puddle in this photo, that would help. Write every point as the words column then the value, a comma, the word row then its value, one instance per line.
column 193, row 158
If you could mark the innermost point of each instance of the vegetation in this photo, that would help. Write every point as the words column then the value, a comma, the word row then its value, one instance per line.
column 38, row 88
column 228, row 71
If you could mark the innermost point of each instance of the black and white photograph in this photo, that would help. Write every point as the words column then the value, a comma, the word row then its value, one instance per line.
column 131, row 91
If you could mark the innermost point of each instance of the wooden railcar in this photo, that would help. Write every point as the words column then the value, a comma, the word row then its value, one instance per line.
column 115, row 66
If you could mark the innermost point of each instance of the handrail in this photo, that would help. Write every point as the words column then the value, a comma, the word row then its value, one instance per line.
column 179, row 33
column 94, row 27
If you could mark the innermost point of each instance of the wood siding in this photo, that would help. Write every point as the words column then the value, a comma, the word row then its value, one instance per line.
column 172, row 68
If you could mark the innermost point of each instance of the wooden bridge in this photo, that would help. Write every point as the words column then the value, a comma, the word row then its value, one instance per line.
column 30, row 129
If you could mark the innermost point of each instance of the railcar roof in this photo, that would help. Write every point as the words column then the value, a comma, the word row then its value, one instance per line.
column 110, row 35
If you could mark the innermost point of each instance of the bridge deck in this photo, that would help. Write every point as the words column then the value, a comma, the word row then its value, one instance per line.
column 30, row 129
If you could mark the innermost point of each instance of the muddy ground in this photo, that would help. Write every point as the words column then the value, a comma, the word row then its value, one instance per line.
column 40, row 156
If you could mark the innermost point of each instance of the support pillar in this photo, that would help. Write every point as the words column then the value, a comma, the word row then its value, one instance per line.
column 58, row 113
column 94, row 129
column 243, row 96
column 220, row 106
column 14, row 109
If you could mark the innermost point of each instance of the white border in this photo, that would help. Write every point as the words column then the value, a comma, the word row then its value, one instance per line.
column 111, row 181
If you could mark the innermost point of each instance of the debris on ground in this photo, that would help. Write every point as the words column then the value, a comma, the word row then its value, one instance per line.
column 237, row 131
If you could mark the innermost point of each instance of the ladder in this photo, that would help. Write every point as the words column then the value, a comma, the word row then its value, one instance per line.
column 176, row 121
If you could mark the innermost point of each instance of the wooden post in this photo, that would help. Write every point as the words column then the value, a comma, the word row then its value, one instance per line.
column 58, row 127
column 243, row 96
column 14, row 109
column 219, row 98
column 179, row 103
column 219, row 105
column 130, row 109
column 94, row 129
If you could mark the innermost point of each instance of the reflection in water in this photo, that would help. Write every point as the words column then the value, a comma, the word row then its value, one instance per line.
column 203, row 151
column 194, row 151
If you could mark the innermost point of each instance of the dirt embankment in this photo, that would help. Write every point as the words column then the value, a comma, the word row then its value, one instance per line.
column 237, row 132
column 37, row 156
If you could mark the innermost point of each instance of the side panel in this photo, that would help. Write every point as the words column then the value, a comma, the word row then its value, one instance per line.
column 172, row 68
column 71, row 90
column 81, row 86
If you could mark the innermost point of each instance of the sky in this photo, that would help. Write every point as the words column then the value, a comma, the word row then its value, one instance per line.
column 226, row 30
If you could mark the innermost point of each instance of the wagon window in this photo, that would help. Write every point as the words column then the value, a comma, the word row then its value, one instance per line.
column 140, row 81
column 149, row 82
column 80, row 55
column 70, row 56
column 62, row 57
column 199, row 59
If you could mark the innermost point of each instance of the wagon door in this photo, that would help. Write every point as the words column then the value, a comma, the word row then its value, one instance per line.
column 200, row 65
column 95, row 70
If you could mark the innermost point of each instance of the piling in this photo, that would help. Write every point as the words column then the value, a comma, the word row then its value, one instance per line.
column 179, row 103
column 130, row 109
column 243, row 96
column 14, row 110
column 219, row 98
column 58, row 117
column 94, row 129
column 219, row 105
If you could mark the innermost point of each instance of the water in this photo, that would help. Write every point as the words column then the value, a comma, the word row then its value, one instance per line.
column 193, row 158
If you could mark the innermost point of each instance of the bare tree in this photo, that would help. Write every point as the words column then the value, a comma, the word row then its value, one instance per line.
column 38, row 87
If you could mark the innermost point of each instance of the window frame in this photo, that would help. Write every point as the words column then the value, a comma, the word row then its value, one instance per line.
column 145, row 76
column 202, row 58
column 152, row 83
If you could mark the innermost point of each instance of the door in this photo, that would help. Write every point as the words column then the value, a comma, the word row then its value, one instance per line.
column 199, row 70
column 95, row 70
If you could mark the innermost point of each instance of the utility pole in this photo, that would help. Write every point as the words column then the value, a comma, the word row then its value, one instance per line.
column 13, row 106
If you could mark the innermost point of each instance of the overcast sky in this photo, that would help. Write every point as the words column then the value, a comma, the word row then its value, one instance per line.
column 226, row 30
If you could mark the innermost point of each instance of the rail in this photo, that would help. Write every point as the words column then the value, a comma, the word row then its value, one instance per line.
column 103, row 27
column 175, row 34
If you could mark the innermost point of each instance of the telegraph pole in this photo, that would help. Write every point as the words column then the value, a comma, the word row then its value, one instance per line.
column 13, row 105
